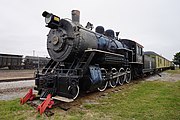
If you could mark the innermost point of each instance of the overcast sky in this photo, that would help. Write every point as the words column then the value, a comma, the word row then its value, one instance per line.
column 153, row 23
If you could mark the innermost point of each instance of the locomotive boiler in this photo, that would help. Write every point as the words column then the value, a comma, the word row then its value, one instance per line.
column 83, row 60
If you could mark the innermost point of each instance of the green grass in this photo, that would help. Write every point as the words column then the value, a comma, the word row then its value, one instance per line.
column 12, row 110
column 147, row 100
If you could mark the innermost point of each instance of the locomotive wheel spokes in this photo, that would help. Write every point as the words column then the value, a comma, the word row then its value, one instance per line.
column 128, row 75
column 74, row 91
column 114, row 81
column 121, row 78
column 104, row 83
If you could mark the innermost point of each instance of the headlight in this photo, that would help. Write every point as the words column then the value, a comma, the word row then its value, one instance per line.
column 51, row 20
column 48, row 18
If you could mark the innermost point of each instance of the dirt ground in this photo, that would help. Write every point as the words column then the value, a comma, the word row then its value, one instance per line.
column 164, row 76
column 15, row 74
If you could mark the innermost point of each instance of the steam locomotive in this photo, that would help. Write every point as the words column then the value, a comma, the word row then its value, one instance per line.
column 83, row 60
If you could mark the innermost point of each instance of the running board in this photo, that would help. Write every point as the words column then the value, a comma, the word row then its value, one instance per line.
column 64, row 99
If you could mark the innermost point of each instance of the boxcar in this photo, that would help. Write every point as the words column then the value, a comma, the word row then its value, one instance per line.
column 10, row 61
column 32, row 62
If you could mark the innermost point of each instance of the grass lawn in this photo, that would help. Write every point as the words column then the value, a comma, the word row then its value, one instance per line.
column 147, row 100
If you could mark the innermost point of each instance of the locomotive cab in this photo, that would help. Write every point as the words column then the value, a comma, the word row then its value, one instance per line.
column 137, row 57
column 136, row 48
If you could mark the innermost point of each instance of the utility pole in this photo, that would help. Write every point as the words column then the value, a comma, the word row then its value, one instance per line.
column 33, row 52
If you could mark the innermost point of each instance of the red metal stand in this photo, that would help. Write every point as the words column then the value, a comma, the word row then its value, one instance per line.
column 46, row 103
column 28, row 96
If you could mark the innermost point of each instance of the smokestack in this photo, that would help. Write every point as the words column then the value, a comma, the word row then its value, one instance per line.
column 75, row 15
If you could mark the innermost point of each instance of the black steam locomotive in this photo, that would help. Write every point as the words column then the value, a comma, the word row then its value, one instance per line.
column 83, row 60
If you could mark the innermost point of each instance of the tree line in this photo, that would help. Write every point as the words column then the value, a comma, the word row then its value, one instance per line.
column 176, row 59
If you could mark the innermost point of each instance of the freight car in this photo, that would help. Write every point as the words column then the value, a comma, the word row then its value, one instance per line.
column 13, row 62
column 10, row 61
column 83, row 60
column 32, row 62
